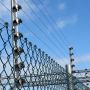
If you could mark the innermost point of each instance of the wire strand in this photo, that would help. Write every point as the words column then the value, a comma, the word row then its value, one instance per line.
column 52, row 19
column 48, row 38
column 54, row 36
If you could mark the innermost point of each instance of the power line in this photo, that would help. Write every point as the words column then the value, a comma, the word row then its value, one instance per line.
column 48, row 38
column 5, row 6
column 52, row 19
column 42, row 22
column 41, row 40
column 54, row 36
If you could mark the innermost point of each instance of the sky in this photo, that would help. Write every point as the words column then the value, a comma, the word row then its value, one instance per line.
column 58, row 24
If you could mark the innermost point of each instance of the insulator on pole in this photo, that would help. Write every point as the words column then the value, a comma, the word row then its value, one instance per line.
column 71, row 54
column 71, row 48
column 72, row 60
column 18, row 35
column 18, row 50
column 17, row 21
column 16, row 8
column 73, row 71
column 72, row 66
column 19, row 66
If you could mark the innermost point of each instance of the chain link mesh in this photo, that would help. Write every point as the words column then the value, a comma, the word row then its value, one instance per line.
column 36, row 69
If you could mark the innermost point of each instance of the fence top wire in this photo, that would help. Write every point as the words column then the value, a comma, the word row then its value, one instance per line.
column 37, row 70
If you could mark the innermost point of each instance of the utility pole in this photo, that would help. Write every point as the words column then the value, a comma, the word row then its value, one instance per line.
column 71, row 66
column 16, row 49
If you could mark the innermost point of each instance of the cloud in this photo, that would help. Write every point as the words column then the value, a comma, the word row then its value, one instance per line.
column 61, row 24
column 80, row 59
column 62, row 61
column 62, row 6
column 66, row 21
column 83, row 58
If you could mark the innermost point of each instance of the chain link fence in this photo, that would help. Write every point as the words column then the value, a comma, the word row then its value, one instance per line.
column 35, row 69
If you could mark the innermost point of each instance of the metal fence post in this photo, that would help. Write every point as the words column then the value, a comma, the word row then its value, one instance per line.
column 67, row 78
column 0, row 81
column 15, row 34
